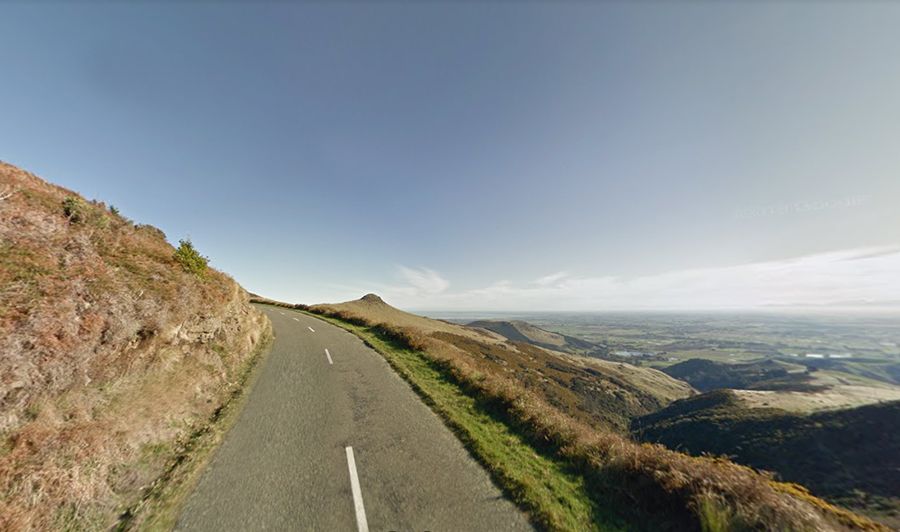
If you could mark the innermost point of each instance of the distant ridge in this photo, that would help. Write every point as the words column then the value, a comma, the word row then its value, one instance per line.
column 600, row 392
column 522, row 331
column 707, row 375
column 579, row 411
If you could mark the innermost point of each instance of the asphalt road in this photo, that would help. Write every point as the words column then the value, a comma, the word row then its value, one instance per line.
column 285, row 465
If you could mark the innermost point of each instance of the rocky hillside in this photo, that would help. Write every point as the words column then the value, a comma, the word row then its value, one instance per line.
column 111, row 353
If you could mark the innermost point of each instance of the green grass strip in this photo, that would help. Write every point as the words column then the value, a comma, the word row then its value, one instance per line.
column 553, row 495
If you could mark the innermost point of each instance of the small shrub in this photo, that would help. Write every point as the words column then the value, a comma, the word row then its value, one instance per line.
column 102, row 221
column 113, row 210
column 714, row 515
column 190, row 259
column 74, row 209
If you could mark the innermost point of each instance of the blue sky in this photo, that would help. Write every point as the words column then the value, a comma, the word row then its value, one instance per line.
column 569, row 156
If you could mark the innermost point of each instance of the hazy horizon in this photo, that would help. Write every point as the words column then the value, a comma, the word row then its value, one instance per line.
column 484, row 156
column 839, row 312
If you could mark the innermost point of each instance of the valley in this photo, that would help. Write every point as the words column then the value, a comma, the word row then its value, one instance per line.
column 812, row 399
column 664, row 338
column 450, row 266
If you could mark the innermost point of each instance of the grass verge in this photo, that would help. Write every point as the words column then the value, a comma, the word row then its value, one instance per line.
column 646, row 486
column 161, row 503
column 554, row 495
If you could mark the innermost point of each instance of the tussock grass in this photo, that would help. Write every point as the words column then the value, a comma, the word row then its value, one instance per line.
column 266, row 301
column 111, row 355
column 714, row 515
column 648, row 486
column 161, row 502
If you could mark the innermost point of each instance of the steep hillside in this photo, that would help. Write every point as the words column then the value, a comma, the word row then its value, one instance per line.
column 112, row 354
column 527, row 414
column 598, row 392
column 851, row 456
column 706, row 375
column 522, row 331
column 878, row 369
column 786, row 385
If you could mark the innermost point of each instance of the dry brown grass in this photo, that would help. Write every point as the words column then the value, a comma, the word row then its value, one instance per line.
column 266, row 301
column 657, row 487
column 597, row 392
column 109, row 353
column 373, row 309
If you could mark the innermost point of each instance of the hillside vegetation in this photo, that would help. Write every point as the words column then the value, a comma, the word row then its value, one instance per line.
column 707, row 375
column 597, row 392
column 785, row 385
column 545, row 401
column 850, row 456
column 522, row 331
column 114, row 353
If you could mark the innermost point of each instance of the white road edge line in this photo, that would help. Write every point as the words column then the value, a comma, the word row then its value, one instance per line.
column 327, row 354
column 361, row 522
column 311, row 329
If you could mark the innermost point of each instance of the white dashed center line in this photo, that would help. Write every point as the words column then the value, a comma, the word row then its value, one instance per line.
column 361, row 522
column 311, row 329
column 328, row 355
column 295, row 319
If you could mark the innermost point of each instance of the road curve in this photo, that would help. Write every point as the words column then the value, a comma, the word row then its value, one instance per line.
column 286, row 463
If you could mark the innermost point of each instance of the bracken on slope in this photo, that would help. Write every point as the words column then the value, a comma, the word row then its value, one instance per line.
column 111, row 353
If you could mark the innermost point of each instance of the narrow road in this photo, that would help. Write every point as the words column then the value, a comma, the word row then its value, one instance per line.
column 331, row 439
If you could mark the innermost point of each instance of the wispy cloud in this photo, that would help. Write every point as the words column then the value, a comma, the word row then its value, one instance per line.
column 424, row 280
column 548, row 280
column 864, row 277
